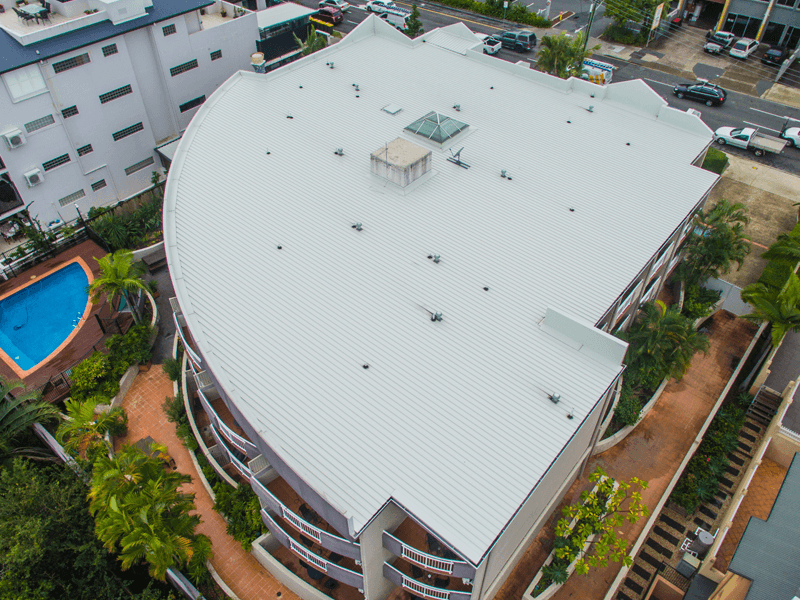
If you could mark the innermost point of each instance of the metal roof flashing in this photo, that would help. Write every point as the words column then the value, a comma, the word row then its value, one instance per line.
column 585, row 337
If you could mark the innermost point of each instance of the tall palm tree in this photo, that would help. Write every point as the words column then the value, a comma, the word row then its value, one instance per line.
column 120, row 275
column 84, row 431
column 138, row 507
column 786, row 249
column 781, row 307
column 562, row 55
column 18, row 414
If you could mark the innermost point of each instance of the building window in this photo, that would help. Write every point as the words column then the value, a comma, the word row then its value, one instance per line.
column 25, row 82
column 110, row 49
column 169, row 29
column 192, row 103
column 216, row 55
column 187, row 66
column 123, row 133
column 71, row 63
column 56, row 162
column 70, row 111
column 71, row 198
column 143, row 164
column 39, row 123
column 114, row 94
column 99, row 185
column 84, row 150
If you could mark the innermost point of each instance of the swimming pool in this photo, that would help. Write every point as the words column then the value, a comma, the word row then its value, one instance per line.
column 35, row 320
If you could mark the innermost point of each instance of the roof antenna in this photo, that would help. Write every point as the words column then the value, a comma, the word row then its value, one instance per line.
column 456, row 159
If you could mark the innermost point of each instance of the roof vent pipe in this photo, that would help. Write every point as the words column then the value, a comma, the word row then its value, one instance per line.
column 437, row 316
column 339, row 152
column 457, row 107
column 590, row 109
column 357, row 226
column 329, row 64
column 436, row 258
column 555, row 397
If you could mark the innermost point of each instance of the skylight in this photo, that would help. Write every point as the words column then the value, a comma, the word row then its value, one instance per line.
column 436, row 127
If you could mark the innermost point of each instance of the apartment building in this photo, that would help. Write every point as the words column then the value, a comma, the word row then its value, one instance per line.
column 397, row 289
column 88, row 94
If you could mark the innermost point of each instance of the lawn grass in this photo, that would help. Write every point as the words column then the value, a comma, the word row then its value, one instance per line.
column 715, row 161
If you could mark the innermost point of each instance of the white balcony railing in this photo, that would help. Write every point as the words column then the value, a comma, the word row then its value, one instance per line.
column 195, row 358
column 244, row 471
column 430, row 562
column 237, row 441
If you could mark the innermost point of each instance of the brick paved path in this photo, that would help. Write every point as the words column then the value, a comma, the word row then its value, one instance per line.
column 243, row 574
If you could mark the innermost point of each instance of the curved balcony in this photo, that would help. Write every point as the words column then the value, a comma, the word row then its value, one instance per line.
column 237, row 464
column 421, row 589
column 239, row 442
column 180, row 323
column 327, row 540
column 429, row 562
column 324, row 565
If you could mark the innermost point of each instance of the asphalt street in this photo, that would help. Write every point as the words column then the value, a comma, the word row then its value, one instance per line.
column 739, row 110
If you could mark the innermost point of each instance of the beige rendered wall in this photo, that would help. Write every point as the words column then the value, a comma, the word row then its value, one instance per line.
column 782, row 448
column 513, row 542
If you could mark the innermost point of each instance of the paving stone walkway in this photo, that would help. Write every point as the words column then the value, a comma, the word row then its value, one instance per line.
column 653, row 452
column 242, row 573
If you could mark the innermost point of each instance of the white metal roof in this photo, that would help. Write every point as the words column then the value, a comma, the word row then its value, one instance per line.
column 280, row 13
column 451, row 418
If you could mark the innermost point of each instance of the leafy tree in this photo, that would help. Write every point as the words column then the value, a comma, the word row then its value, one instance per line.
column 562, row 55
column 414, row 27
column 314, row 41
column 786, row 250
column 48, row 550
column 637, row 11
column 119, row 275
column 662, row 343
column 18, row 414
column 241, row 509
column 600, row 513
column 781, row 307
column 139, row 508
column 83, row 431
column 718, row 239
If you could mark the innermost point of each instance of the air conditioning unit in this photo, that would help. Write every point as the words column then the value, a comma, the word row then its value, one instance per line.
column 14, row 138
column 33, row 177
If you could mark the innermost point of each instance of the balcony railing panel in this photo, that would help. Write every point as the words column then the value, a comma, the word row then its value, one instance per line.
column 237, row 464
column 243, row 445
column 327, row 540
column 457, row 568
column 346, row 576
column 195, row 358
column 420, row 589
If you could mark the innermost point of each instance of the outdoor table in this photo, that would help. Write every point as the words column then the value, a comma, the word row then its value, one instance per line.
column 32, row 10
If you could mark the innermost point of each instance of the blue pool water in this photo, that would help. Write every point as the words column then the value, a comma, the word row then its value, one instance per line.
column 35, row 320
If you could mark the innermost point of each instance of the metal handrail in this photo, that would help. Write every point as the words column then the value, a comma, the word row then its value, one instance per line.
column 429, row 561
column 192, row 354
column 229, row 434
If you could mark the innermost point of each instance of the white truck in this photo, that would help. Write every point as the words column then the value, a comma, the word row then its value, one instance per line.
column 397, row 18
column 490, row 43
column 749, row 139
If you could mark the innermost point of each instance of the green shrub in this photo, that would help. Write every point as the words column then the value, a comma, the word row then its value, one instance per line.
column 117, row 424
column 129, row 349
column 241, row 509
column 176, row 413
column 93, row 377
column 628, row 408
column 172, row 367
column 698, row 301
column 623, row 35
column 715, row 161
column 494, row 8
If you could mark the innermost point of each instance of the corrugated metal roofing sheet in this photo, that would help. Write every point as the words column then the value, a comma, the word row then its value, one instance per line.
column 280, row 13
column 446, row 40
column 451, row 416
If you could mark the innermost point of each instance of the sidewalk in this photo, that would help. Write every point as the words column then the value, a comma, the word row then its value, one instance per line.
column 652, row 452
column 242, row 573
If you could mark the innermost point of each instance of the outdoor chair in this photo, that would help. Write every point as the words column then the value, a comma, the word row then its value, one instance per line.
column 28, row 18
column 416, row 572
column 45, row 16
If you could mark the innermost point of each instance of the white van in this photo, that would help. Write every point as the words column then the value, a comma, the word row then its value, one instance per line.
column 597, row 71
column 397, row 18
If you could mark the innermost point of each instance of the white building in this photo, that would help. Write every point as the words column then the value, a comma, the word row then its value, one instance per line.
column 86, row 98
column 416, row 347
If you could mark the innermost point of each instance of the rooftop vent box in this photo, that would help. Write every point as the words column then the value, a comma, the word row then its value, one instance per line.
column 401, row 162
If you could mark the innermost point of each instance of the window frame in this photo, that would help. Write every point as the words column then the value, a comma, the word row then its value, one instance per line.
column 29, row 68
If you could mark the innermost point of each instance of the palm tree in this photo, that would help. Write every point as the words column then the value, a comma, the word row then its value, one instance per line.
column 139, row 507
column 786, row 249
column 84, row 431
column 562, row 55
column 781, row 307
column 663, row 341
column 120, row 275
column 18, row 414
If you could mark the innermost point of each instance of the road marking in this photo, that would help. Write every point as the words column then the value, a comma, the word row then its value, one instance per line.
column 760, row 126
column 768, row 113
column 354, row 22
column 531, row 4
column 660, row 82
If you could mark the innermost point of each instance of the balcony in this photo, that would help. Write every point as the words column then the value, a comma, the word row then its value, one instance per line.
column 407, row 541
column 223, row 424
column 416, row 588
column 186, row 337
column 283, row 502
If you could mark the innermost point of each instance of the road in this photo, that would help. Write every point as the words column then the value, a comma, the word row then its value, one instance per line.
column 739, row 110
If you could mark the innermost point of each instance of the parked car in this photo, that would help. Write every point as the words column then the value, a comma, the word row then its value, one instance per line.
column 329, row 16
column 719, row 41
column 743, row 48
column 708, row 93
column 337, row 4
column 791, row 135
column 490, row 43
column 775, row 56
column 381, row 6
column 398, row 19
column 521, row 41
column 750, row 139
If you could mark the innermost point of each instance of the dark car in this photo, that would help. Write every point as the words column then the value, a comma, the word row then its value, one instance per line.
column 521, row 41
column 329, row 15
column 719, row 41
column 703, row 91
column 775, row 56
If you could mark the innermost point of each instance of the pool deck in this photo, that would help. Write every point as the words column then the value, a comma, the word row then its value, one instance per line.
column 87, row 336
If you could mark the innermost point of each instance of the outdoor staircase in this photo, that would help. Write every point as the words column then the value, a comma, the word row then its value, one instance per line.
column 764, row 406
